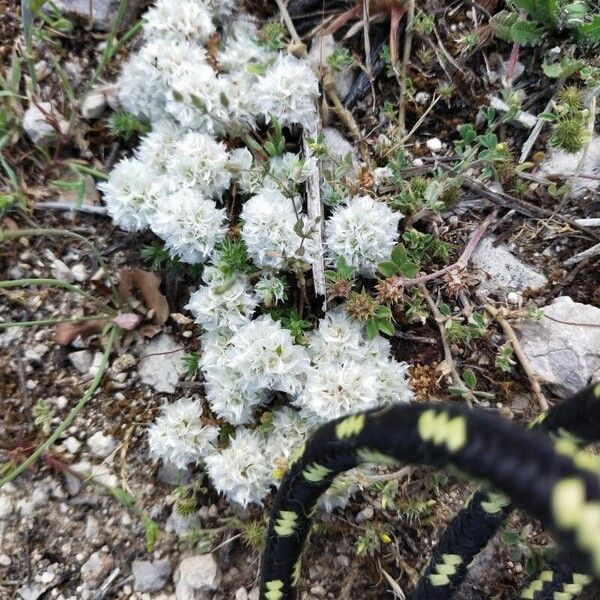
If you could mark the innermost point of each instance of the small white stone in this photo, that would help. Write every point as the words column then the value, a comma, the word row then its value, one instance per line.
column 72, row 444
column 422, row 97
column 513, row 298
column 37, row 126
column 61, row 271
column 5, row 560
column 96, row 362
column 434, row 144
column 93, row 105
column 81, row 360
column 101, row 445
column 418, row 162
column 46, row 577
column 6, row 506
column 79, row 272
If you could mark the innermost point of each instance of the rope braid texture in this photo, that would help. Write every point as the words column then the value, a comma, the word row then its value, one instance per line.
column 552, row 480
column 576, row 419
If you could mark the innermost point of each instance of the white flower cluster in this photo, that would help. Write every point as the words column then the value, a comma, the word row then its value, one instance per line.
column 178, row 435
column 349, row 372
column 363, row 231
column 275, row 231
column 200, row 104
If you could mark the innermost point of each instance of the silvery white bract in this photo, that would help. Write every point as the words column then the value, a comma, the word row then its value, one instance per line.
column 270, row 231
column 268, row 357
column 178, row 436
column 182, row 20
column 270, row 290
column 132, row 193
column 363, row 232
column 242, row 471
column 223, row 303
column 190, row 225
column 199, row 161
column 287, row 91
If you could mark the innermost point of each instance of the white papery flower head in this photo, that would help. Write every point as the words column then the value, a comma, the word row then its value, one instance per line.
column 271, row 290
column 333, row 390
column 249, row 176
column 223, row 303
column 178, row 435
column 199, row 99
column 267, row 356
column 269, row 231
column 132, row 193
column 287, row 433
column 289, row 170
column 221, row 9
column 337, row 338
column 393, row 382
column 241, row 472
column 199, row 161
column 190, row 225
column 156, row 147
column 228, row 396
column 146, row 79
column 363, row 232
column 214, row 347
column 287, row 91
column 241, row 50
column 141, row 88
column 185, row 20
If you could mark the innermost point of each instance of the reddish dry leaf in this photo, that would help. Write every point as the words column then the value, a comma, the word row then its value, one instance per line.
column 125, row 284
column 65, row 333
column 148, row 285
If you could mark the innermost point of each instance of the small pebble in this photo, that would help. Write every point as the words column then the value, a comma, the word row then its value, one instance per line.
column 434, row 144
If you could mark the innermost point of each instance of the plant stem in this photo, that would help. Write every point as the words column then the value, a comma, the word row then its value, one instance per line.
column 109, row 49
column 509, row 332
column 448, row 358
column 68, row 421
column 27, row 23
column 41, row 322
column 56, row 283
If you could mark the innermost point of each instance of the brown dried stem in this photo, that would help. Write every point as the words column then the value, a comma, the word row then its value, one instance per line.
column 500, row 316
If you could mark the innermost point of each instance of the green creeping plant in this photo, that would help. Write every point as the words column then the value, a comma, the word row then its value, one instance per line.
column 549, row 476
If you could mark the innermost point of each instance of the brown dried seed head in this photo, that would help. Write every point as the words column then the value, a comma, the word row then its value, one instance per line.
column 361, row 305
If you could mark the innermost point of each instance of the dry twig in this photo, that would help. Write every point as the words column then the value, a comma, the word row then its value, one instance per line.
column 449, row 363
column 500, row 316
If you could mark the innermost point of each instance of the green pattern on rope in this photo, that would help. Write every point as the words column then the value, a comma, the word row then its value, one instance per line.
column 560, row 486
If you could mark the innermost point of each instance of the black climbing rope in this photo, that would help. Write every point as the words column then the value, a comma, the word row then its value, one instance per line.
column 552, row 479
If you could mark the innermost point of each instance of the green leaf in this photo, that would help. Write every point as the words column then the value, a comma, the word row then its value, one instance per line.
column 409, row 269
column 445, row 310
column 553, row 71
column 511, row 538
column 589, row 33
column 387, row 269
column 527, row 33
column 488, row 140
column 399, row 255
column 152, row 533
column 372, row 329
column 35, row 6
column 467, row 132
column 470, row 379
column 526, row 5
column 502, row 23
column 125, row 498
column 385, row 326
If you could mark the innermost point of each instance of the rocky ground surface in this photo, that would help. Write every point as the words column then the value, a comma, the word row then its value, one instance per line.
column 65, row 533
